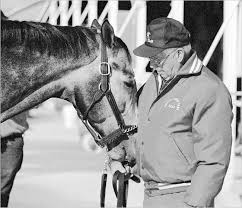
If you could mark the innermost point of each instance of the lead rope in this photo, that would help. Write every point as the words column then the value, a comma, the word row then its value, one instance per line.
column 120, row 182
column 104, row 181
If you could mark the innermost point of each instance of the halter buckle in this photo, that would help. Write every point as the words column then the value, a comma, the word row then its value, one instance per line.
column 109, row 69
column 100, row 87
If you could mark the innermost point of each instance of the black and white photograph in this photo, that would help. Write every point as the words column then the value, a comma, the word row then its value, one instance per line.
column 114, row 104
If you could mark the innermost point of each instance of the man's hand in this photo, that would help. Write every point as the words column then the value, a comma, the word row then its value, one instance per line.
column 116, row 166
column 125, row 151
column 10, row 127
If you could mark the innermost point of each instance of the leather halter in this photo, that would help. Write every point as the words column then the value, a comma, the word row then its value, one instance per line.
column 120, row 134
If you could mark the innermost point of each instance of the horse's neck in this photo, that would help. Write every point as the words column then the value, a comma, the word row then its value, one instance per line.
column 36, row 83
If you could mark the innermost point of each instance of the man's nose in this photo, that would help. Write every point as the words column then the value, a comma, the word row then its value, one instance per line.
column 153, row 64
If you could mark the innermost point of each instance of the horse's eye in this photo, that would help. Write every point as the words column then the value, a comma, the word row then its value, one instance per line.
column 129, row 84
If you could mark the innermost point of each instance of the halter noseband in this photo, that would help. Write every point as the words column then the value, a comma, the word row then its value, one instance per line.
column 120, row 134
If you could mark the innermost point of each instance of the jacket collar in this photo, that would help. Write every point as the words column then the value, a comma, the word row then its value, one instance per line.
column 192, row 66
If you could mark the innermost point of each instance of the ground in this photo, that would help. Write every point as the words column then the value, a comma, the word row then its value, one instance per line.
column 58, row 172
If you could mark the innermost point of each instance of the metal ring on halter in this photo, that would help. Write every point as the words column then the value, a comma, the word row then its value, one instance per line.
column 109, row 68
column 97, row 137
column 100, row 88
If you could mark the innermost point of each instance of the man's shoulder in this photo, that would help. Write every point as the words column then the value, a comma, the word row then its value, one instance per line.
column 209, row 80
column 209, row 77
column 210, row 84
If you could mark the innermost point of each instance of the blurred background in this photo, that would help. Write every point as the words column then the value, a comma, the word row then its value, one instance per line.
column 62, row 165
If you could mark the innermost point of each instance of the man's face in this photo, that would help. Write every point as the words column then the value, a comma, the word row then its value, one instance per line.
column 165, row 63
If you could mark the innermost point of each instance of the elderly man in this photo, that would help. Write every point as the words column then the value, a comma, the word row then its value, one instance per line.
column 184, row 123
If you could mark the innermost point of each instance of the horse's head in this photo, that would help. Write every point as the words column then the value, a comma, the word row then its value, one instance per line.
column 41, row 61
column 121, row 81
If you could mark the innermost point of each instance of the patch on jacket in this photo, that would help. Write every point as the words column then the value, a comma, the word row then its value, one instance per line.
column 173, row 103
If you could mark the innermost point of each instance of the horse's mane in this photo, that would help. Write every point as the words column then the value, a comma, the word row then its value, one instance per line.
column 59, row 41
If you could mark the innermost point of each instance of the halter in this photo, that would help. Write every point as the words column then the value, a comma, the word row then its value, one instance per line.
column 120, row 134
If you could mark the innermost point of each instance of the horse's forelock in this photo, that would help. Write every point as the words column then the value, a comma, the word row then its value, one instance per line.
column 119, row 44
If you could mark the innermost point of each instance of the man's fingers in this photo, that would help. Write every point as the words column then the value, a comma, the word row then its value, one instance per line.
column 117, row 166
column 128, row 169
column 134, row 170
column 15, row 127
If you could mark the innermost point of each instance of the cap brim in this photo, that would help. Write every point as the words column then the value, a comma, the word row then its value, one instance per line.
column 146, row 51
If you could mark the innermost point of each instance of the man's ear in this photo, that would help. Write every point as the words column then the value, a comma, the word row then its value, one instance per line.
column 107, row 33
column 95, row 24
column 180, row 55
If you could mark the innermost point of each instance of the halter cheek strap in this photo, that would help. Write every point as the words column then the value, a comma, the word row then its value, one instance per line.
column 120, row 134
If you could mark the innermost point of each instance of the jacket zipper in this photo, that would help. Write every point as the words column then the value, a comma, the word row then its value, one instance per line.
column 162, row 91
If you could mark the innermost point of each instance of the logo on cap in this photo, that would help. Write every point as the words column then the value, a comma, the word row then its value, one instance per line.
column 148, row 34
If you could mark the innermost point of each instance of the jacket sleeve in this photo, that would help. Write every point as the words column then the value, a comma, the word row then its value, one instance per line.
column 212, row 146
column 16, row 125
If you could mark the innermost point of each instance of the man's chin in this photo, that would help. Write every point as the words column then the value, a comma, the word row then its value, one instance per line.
column 163, row 75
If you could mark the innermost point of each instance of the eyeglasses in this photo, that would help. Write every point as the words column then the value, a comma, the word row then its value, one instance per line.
column 161, row 58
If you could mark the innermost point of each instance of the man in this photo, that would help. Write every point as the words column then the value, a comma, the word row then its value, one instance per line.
column 11, row 149
column 11, row 153
column 184, row 123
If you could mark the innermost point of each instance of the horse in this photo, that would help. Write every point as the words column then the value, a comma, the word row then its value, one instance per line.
column 42, row 61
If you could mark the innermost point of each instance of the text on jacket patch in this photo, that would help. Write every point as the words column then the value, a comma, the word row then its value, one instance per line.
column 173, row 103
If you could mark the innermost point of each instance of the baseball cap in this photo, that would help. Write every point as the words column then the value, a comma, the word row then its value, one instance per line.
column 163, row 33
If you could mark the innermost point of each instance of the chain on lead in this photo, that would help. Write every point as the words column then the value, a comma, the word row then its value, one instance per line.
column 106, row 163
column 129, row 129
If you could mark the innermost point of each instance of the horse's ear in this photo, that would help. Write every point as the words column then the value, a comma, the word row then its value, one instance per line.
column 3, row 17
column 95, row 24
column 107, row 33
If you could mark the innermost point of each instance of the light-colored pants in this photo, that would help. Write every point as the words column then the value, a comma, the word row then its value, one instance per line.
column 171, row 200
